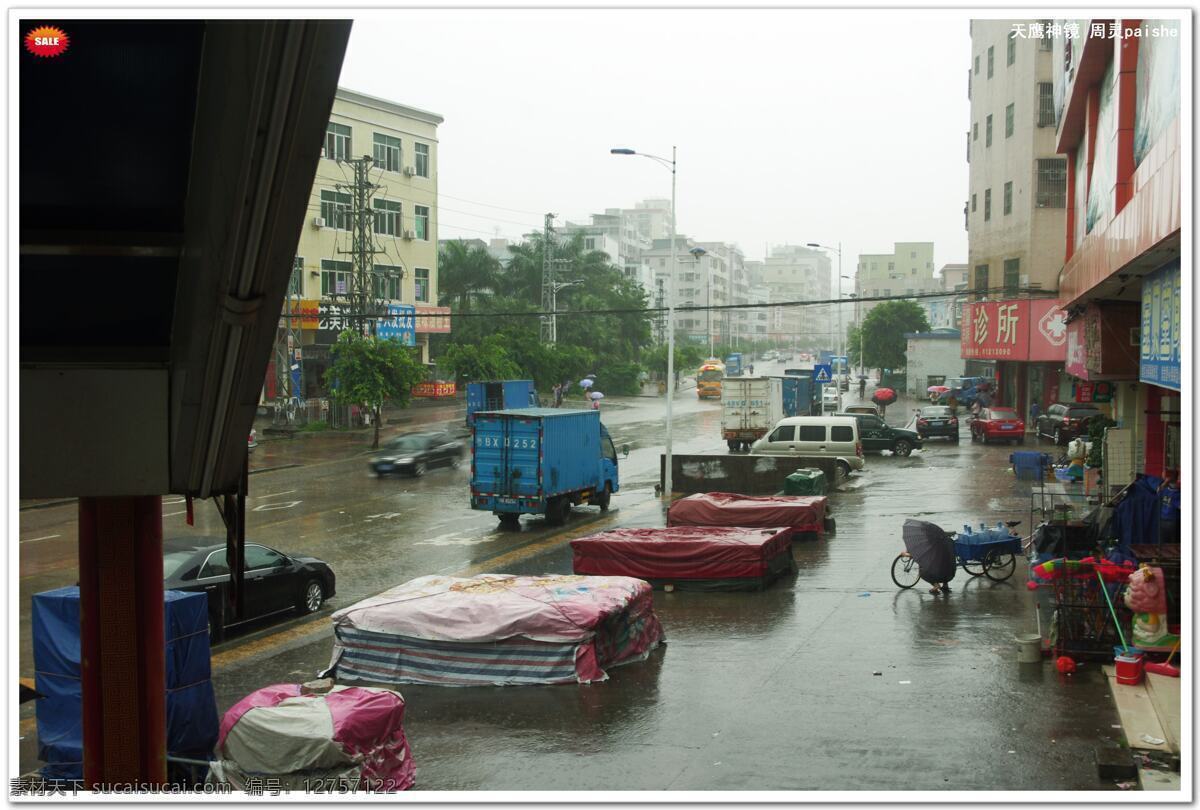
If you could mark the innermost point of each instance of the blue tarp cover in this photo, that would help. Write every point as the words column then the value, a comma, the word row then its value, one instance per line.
column 192, row 722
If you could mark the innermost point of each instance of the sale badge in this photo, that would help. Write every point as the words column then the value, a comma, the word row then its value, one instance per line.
column 46, row 40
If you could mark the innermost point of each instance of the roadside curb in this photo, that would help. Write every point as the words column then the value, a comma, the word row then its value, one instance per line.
column 49, row 504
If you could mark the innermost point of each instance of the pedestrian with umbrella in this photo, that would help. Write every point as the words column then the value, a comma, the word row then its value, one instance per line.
column 596, row 396
column 933, row 550
column 883, row 397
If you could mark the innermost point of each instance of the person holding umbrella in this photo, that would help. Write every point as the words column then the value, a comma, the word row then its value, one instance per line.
column 932, row 548
column 596, row 397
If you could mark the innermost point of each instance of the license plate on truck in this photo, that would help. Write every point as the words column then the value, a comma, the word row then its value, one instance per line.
column 512, row 501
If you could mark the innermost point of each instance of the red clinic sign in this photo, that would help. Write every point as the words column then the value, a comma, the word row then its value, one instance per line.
column 1014, row 330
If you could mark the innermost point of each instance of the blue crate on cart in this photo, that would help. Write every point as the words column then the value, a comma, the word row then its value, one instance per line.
column 1030, row 465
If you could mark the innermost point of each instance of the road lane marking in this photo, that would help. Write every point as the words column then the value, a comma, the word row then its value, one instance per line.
column 268, row 507
column 47, row 537
column 272, row 495
column 174, row 514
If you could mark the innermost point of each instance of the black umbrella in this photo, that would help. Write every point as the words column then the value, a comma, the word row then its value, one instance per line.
column 933, row 550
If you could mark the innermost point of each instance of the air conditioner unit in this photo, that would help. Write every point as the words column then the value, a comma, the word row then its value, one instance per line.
column 409, row 171
column 318, row 222
column 409, row 235
column 1024, row 279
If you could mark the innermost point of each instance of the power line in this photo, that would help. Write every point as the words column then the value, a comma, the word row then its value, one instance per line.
column 1029, row 292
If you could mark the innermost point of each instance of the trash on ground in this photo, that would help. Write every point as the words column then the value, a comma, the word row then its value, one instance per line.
column 1146, row 738
column 905, row 681
column 876, row 672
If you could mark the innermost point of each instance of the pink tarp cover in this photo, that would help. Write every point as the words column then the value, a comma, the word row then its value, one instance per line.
column 494, row 607
column 802, row 513
column 367, row 723
column 683, row 552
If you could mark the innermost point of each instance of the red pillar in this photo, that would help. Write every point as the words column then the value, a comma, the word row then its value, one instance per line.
column 1125, row 56
column 122, row 647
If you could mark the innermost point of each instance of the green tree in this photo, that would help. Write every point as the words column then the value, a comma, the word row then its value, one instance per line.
column 368, row 371
column 883, row 333
column 486, row 360
column 466, row 272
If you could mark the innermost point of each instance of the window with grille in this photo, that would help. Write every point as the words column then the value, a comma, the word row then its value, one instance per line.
column 991, row 60
column 976, row 65
column 387, row 217
column 988, row 134
column 387, row 152
column 1046, row 43
column 975, row 131
column 1012, row 276
column 1008, row 197
column 337, row 141
column 981, row 281
column 335, row 209
column 387, row 281
column 1046, row 104
column 973, row 198
column 1052, row 183
column 421, row 151
column 987, row 204
column 421, row 218
column 1009, row 113
column 1012, row 48
column 421, row 284
column 335, row 277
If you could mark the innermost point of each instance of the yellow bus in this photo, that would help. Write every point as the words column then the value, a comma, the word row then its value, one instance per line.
column 708, row 379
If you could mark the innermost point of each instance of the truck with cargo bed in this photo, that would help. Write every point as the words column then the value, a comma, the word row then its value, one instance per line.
column 750, row 406
column 540, row 461
column 498, row 395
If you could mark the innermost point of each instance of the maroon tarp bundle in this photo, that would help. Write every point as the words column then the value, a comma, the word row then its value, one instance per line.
column 802, row 513
column 713, row 554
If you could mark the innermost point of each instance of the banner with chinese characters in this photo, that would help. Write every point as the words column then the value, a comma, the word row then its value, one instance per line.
column 434, row 389
column 1160, row 358
column 433, row 319
column 305, row 313
column 398, row 325
column 1014, row 330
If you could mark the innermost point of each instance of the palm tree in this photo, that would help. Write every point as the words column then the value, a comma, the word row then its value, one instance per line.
column 465, row 272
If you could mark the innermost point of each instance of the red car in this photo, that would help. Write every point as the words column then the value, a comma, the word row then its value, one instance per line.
column 998, row 423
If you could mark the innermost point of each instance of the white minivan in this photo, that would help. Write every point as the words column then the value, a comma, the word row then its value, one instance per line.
column 815, row 436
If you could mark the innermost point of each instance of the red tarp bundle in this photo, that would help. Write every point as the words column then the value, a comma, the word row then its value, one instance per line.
column 720, row 557
column 801, row 513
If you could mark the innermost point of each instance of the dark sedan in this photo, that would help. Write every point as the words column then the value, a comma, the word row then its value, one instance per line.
column 414, row 453
column 937, row 420
column 1063, row 422
column 275, row 582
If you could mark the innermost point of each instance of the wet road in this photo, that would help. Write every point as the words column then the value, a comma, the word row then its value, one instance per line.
column 770, row 690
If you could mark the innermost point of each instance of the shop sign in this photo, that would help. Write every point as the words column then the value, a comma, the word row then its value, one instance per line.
column 398, row 325
column 433, row 320
column 1014, row 330
column 333, row 317
column 434, row 389
column 1076, row 363
column 1093, row 392
column 1159, row 361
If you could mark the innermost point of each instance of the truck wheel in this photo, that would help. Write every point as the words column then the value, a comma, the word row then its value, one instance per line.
column 734, row 444
column 604, row 498
column 557, row 511
column 902, row 448
column 509, row 520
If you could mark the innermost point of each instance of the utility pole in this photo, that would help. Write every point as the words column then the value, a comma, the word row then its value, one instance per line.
column 548, row 324
column 365, row 306
column 286, row 348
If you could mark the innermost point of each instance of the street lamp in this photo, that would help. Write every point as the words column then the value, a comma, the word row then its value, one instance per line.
column 670, row 164
column 554, row 288
column 838, row 251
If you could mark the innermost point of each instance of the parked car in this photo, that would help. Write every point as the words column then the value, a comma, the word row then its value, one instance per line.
column 873, row 410
column 833, row 437
column 831, row 399
column 1064, row 422
column 414, row 453
column 1001, row 424
column 275, row 582
column 877, row 435
column 937, row 420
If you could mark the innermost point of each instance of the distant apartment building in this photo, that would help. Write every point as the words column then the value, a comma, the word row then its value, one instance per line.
column 402, row 142
column 946, row 313
column 702, row 280
column 907, row 270
column 1016, row 214
column 792, row 273
column 733, row 323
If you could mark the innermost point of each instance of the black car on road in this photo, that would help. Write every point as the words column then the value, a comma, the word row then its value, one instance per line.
column 274, row 582
column 1063, row 422
column 414, row 453
column 937, row 420
column 877, row 435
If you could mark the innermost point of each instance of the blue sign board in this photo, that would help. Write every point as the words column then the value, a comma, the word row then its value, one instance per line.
column 399, row 325
column 822, row 373
column 1161, row 325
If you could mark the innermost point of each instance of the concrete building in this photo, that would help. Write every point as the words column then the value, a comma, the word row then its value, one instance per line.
column 700, row 281
column 1016, row 212
column 947, row 312
column 795, row 273
column 1117, row 101
column 932, row 357
column 733, row 324
column 908, row 269
column 402, row 140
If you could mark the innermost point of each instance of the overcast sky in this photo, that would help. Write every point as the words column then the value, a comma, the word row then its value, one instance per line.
column 792, row 126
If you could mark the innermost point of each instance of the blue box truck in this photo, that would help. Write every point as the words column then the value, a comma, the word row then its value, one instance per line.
column 799, row 395
column 733, row 365
column 540, row 461
column 499, row 395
